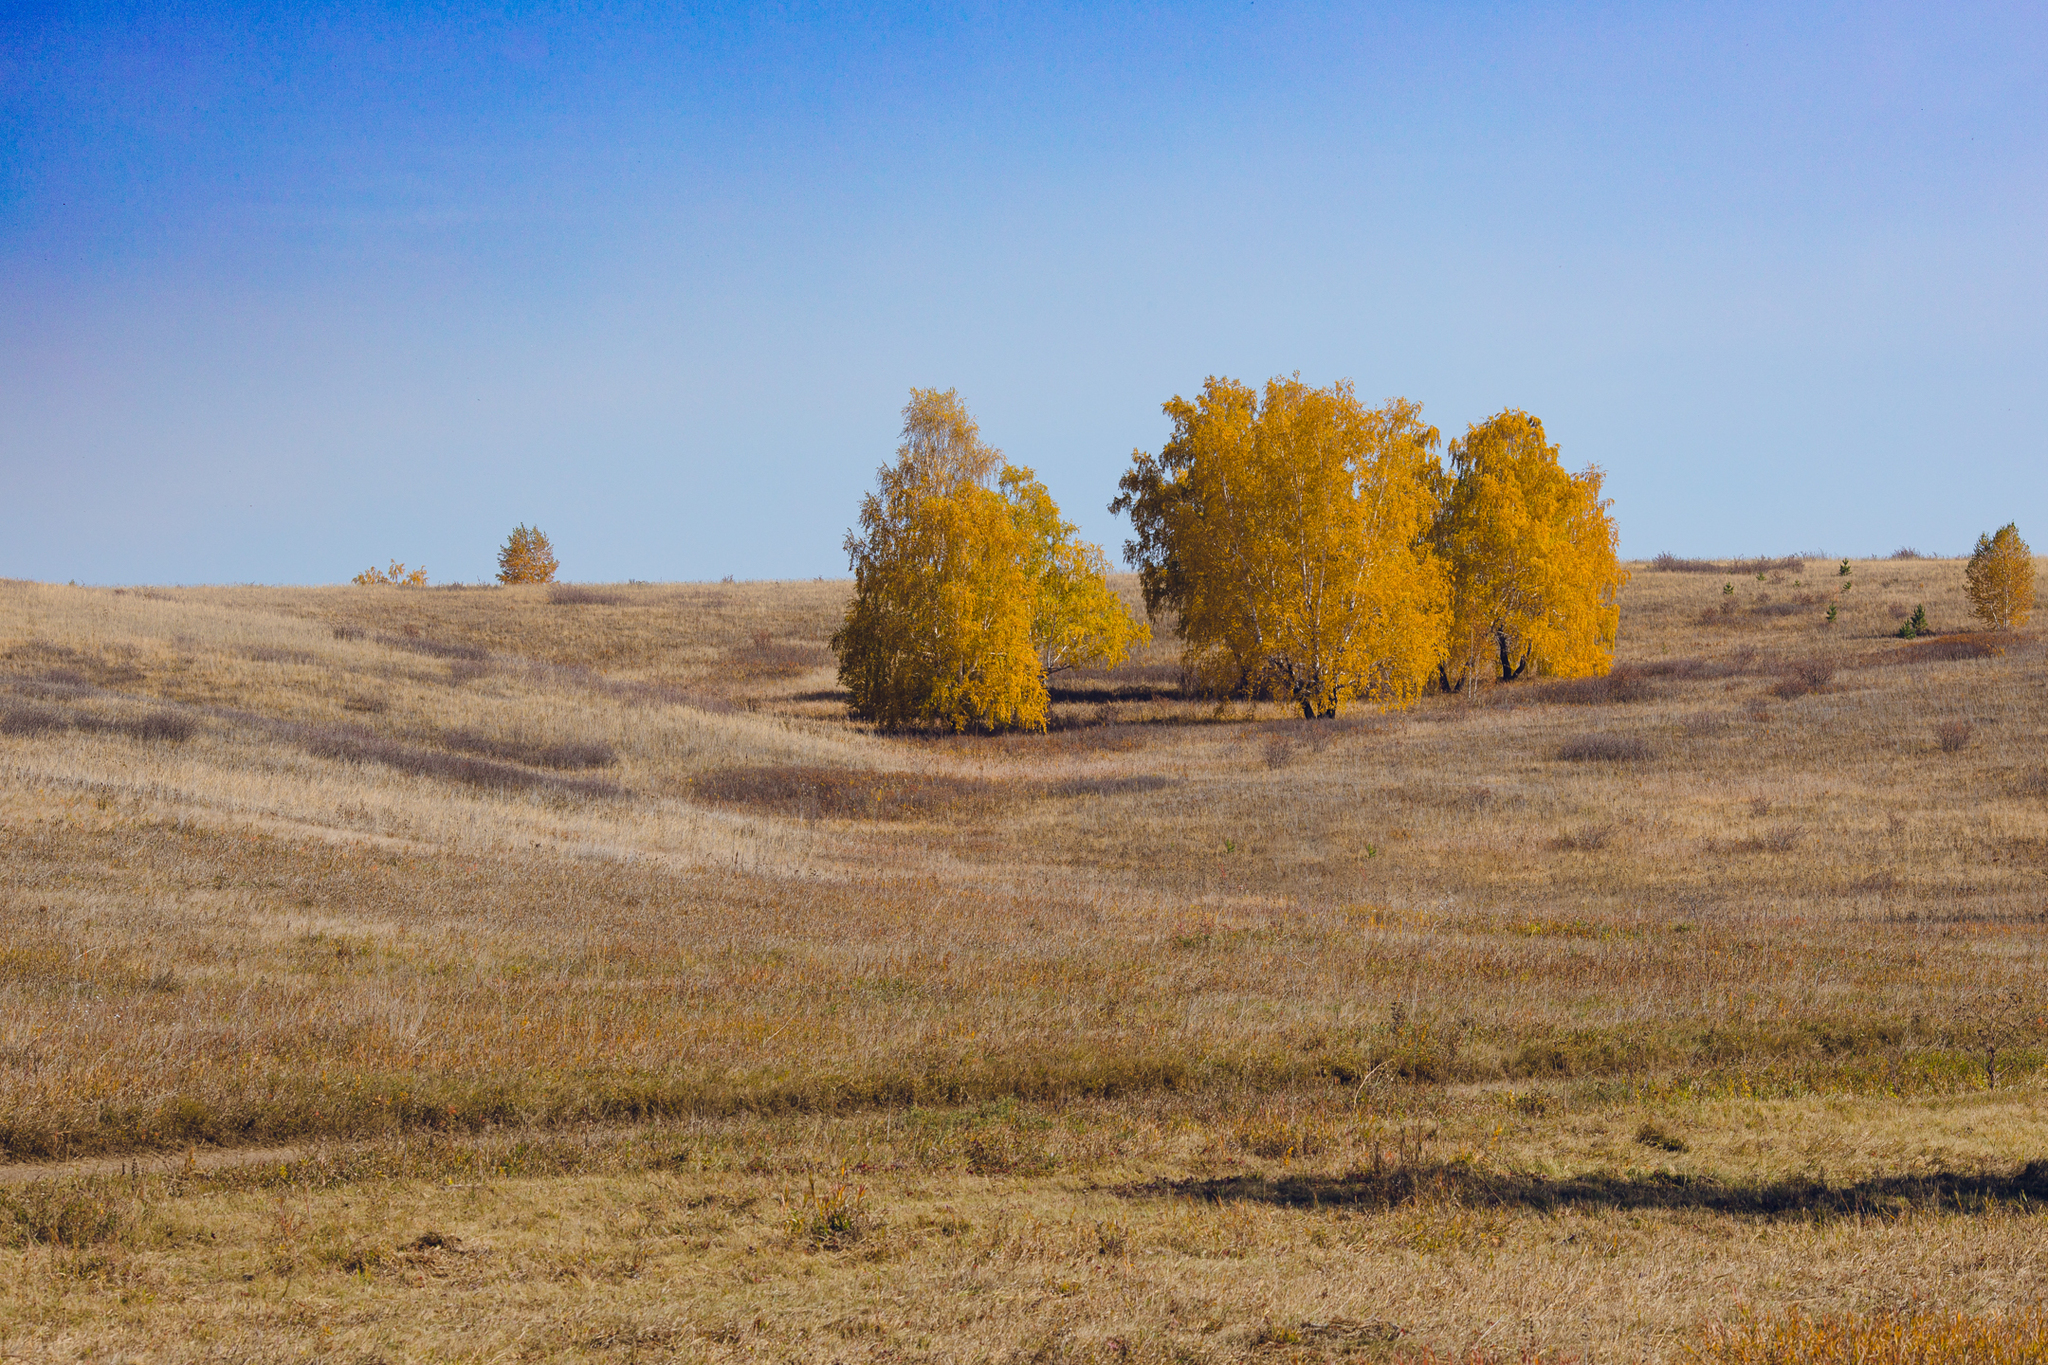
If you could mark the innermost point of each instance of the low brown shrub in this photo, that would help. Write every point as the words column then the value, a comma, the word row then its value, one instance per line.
column 1804, row 676
column 17, row 719
column 1005, row 1151
column 764, row 656
column 1981, row 644
column 1606, row 749
column 580, row 595
column 159, row 726
column 1953, row 736
column 74, row 1213
column 436, row 649
column 1778, row 839
column 1283, row 1136
column 1668, row 563
column 815, row 793
column 571, row 756
column 1689, row 669
column 1650, row 1134
column 1626, row 683
column 1112, row 786
column 66, row 1214
column 1068, row 737
column 1586, row 840
column 163, row 726
column 359, row 747
column 1284, row 739
column 1127, row 682
column 277, row 654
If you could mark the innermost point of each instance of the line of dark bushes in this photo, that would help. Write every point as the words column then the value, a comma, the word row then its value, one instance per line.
column 1395, row 1183
column 436, row 649
column 21, row 718
column 1670, row 563
column 355, row 746
column 817, row 793
column 572, row 756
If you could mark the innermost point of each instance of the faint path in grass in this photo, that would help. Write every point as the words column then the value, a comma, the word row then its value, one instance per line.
column 150, row 1163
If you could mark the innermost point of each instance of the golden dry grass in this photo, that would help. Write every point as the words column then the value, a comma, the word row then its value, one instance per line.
column 579, row 928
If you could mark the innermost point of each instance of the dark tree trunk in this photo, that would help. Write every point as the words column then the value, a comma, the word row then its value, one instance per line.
column 1443, row 676
column 1509, row 671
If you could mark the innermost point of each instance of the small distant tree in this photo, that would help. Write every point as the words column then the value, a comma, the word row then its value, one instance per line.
column 1998, row 1021
column 968, row 586
column 2000, row 579
column 397, row 575
column 526, row 557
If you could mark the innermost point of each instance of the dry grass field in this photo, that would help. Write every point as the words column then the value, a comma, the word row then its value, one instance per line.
column 532, row 974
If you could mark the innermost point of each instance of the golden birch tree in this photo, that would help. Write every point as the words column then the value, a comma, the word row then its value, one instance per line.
column 2000, row 579
column 1531, row 556
column 968, row 587
column 1288, row 533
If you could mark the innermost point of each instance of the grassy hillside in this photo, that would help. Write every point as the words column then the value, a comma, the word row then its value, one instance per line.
column 425, row 973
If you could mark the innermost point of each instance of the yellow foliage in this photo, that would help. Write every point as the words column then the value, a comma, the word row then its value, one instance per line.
column 1531, row 549
column 965, row 594
column 1287, row 531
column 397, row 575
column 526, row 557
column 1077, row 618
column 2000, row 579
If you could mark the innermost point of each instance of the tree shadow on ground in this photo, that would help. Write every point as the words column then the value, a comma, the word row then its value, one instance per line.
column 2025, row 1190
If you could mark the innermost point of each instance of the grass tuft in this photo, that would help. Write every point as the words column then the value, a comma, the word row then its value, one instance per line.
column 1953, row 736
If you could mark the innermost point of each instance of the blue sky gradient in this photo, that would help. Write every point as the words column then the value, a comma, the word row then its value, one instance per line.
column 286, row 293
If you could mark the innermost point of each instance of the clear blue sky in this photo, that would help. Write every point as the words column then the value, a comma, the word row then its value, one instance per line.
column 286, row 293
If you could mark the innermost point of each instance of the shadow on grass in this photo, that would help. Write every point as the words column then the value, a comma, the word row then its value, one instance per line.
column 2025, row 1189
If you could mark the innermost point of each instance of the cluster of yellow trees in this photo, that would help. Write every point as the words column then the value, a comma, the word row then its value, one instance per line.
column 1308, row 547
column 397, row 575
